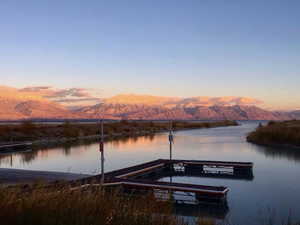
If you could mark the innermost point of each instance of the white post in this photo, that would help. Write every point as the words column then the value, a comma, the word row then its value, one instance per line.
column 170, row 139
column 102, row 153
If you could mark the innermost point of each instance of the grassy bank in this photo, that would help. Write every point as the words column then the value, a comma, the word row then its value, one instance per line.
column 60, row 205
column 28, row 131
column 81, row 207
column 286, row 134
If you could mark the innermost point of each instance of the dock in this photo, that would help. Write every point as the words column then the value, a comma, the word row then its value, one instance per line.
column 15, row 146
column 143, row 177
column 189, row 167
column 19, row 176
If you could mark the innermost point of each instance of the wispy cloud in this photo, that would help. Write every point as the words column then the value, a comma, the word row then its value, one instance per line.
column 234, row 101
column 183, row 102
column 35, row 89
column 71, row 92
column 71, row 100
column 67, row 96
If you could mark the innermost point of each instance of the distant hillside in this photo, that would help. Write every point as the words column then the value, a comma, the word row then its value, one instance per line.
column 136, row 111
column 129, row 111
column 202, row 108
column 15, row 104
column 19, row 104
column 295, row 114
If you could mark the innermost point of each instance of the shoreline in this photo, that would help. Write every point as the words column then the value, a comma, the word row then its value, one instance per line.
column 60, row 141
column 283, row 134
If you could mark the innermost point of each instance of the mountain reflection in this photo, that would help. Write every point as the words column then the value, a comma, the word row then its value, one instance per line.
column 71, row 148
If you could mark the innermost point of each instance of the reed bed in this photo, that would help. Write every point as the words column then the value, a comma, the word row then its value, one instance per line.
column 285, row 133
column 64, row 206
column 29, row 131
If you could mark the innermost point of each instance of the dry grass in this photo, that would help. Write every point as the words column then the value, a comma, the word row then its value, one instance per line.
column 28, row 131
column 62, row 206
column 277, row 133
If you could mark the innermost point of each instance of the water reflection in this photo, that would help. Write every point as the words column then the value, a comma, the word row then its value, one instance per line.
column 292, row 154
column 69, row 149
column 202, row 210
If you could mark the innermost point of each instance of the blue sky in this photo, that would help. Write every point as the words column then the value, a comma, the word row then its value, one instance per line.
column 158, row 47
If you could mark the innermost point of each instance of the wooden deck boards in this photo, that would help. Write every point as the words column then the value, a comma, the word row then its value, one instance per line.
column 175, row 186
column 18, row 176
column 133, row 170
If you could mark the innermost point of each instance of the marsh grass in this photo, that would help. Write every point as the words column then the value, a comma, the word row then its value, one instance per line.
column 28, row 131
column 277, row 133
column 61, row 204
column 64, row 206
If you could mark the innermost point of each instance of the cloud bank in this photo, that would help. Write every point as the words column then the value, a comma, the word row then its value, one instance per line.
column 182, row 102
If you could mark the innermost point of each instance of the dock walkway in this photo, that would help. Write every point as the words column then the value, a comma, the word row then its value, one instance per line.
column 14, row 146
column 18, row 176
column 165, row 164
column 140, row 177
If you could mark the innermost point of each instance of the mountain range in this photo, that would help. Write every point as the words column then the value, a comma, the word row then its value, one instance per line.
column 18, row 104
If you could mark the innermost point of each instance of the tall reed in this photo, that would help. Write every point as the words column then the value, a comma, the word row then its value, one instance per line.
column 277, row 133
column 64, row 206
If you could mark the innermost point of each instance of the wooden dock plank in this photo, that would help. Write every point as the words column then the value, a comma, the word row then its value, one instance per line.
column 18, row 176
column 14, row 147
column 133, row 169
column 215, row 163
column 216, row 175
column 11, row 145
column 175, row 186
column 136, row 184
column 160, row 163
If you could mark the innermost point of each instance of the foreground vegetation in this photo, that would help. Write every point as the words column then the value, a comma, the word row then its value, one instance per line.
column 285, row 133
column 62, row 205
column 28, row 131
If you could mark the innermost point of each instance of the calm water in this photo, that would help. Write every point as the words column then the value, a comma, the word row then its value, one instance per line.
column 274, row 191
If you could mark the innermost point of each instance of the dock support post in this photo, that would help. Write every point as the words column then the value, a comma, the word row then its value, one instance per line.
column 171, row 139
column 102, row 153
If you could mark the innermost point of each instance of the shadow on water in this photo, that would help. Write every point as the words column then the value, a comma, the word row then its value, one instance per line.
column 291, row 154
column 201, row 210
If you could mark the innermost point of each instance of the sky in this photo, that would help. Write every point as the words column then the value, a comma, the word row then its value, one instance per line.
column 158, row 47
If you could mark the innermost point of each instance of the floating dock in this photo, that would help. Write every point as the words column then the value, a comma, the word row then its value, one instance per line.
column 19, row 176
column 184, row 167
column 15, row 146
column 142, row 178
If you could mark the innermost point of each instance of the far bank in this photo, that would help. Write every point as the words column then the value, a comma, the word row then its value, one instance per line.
column 49, row 134
column 277, row 134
